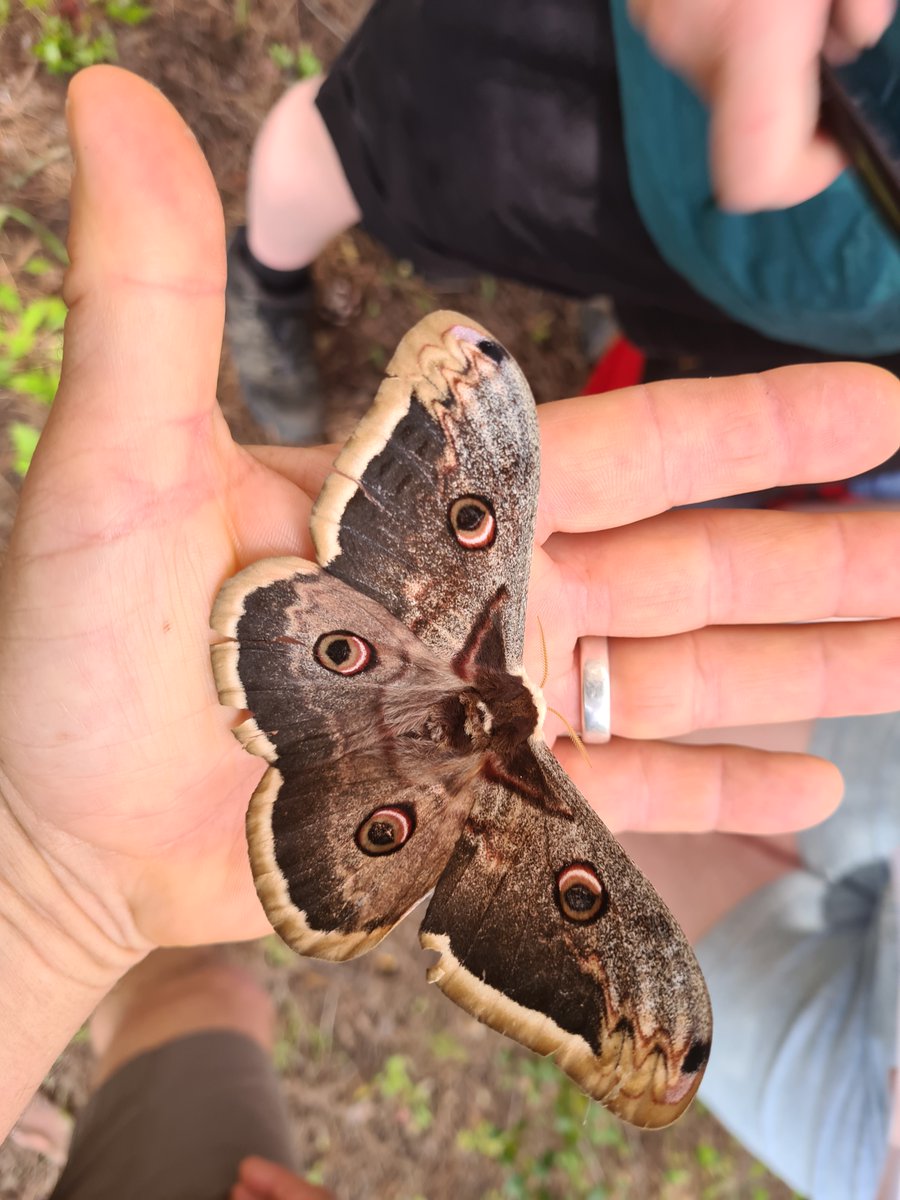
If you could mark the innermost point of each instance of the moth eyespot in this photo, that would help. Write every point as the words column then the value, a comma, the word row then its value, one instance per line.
column 493, row 350
column 695, row 1059
column 582, row 896
column 386, row 830
column 473, row 522
column 344, row 653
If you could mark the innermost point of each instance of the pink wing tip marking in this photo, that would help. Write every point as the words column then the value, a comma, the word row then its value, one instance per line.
column 465, row 334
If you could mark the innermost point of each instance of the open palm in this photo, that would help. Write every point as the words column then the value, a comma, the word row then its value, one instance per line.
column 115, row 756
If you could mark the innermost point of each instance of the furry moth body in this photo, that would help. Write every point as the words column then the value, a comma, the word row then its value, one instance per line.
column 405, row 749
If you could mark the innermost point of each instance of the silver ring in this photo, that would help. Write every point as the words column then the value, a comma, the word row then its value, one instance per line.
column 593, row 655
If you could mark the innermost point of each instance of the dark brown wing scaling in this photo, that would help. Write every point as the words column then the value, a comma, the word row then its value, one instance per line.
column 391, row 772
column 455, row 419
column 327, row 739
column 618, row 997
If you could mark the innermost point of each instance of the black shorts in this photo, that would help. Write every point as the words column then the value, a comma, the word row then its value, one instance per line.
column 486, row 136
column 175, row 1122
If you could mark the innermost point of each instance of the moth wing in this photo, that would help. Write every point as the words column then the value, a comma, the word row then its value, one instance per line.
column 617, row 997
column 455, row 418
column 331, row 765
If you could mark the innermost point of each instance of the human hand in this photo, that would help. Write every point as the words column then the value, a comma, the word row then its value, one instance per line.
column 260, row 1179
column 122, row 791
column 705, row 608
column 756, row 63
column 115, row 756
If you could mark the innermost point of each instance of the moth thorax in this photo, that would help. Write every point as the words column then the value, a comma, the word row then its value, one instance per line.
column 477, row 720
column 501, row 712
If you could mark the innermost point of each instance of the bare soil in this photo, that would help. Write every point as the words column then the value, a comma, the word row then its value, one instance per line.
column 386, row 1079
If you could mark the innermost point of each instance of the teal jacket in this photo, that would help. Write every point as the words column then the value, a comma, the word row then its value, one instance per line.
column 824, row 274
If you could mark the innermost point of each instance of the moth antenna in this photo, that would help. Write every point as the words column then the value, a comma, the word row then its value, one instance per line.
column 574, row 736
column 544, row 656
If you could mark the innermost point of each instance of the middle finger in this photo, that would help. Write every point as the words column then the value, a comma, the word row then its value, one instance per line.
column 691, row 568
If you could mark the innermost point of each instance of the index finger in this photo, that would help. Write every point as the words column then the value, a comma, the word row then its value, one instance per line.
column 620, row 457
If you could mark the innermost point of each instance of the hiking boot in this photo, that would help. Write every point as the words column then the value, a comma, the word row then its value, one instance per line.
column 269, row 332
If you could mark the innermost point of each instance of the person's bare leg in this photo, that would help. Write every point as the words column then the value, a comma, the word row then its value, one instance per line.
column 171, row 994
column 298, row 197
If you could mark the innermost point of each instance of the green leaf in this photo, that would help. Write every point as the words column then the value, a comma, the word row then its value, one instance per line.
column 20, row 343
column 277, row 953
column 303, row 61
column 490, row 1141
column 677, row 1175
column 48, row 312
column 446, row 1048
column 393, row 1078
column 42, row 385
column 308, row 63
column 38, row 265
column 281, row 56
column 488, row 288
column 707, row 1156
column 48, row 51
column 56, row 313
column 10, row 300
column 127, row 14
column 24, row 439
column 51, row 243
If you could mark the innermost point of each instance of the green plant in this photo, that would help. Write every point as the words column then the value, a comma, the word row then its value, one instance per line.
column 278, row 953
column 298, row 1039
column 30, row 335
column 30, row 343
column 47, row 238
column 708, row 1156
column 72, row 37
column 487, row 287
column 446, row 1048
column 394, row 1082
column 540, row 328
column 552, row 1149
column 302, row 62
column 289, row 1030
column 30, row 357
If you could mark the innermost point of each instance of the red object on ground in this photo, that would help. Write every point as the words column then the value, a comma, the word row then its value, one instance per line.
column 621, row 366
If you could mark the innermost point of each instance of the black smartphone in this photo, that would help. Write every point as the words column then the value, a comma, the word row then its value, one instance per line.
column 861, row 110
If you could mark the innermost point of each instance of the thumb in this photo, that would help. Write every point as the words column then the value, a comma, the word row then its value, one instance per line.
column 145, row 291
column 265, row 1180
